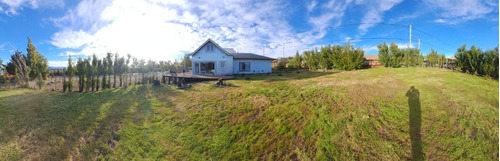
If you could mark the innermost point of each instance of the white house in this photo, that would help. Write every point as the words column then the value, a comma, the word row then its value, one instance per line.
column 211, row 59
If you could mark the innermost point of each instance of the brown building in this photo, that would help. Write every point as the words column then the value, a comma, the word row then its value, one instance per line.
column 371, row 61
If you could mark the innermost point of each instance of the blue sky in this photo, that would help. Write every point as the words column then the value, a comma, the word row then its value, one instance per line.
column 165, row 30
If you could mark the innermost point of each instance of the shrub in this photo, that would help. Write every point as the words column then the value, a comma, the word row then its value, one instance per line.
column 39, row 81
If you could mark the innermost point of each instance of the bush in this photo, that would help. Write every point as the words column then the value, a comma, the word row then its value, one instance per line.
column 66, row 85
column 40, row 81
column 281, row 65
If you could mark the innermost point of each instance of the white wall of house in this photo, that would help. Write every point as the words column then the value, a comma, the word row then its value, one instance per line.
column 256, row 66
column 223, row 63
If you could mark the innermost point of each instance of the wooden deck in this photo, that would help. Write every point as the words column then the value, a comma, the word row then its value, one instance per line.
column 193, row 76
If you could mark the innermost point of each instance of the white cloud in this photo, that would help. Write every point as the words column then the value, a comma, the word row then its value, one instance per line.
column 374, row 14
column 167, row 29
column 333, row 10
column 10, row 7
column 369, row 49
column 71, row 39
column 311, row 5
column 439, row 20
column 458, row 11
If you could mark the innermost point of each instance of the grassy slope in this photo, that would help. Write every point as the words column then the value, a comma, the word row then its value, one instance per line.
column 362, row 115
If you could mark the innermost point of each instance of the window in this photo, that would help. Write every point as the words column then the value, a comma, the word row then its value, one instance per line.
column 244, row 66
column 222, row 64
column 210, row 48
column 196, row 67
column 207, row 67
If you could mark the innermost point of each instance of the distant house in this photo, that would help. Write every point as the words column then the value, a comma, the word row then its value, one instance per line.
column 371, row 61
column 212, row 59
column 8, row 76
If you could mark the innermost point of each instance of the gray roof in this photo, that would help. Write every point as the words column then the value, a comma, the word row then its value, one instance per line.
column 230, row 50
column 250, row 56
column 370, row 56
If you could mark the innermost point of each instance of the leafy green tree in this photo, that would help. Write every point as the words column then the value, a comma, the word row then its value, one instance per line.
column 116, row 69
column 70, row 73
column 490, row 65
column 475, row 61
column 88, row 74
column 383, row 55
column 323, row 58
column 121, row 68
column 99, row 72
column 135, row 66
column 36, row 62
column 39, row 81
column 395, row 55
column 104, row 72
column 81, row 69
column 109, row 69
column 432, row 58
column 311, row 60
column 128, row 69
column 142, row 69
column 186, row 61
column 94, row 69
column 23, row 70
column 295, row 63
column 462, row 59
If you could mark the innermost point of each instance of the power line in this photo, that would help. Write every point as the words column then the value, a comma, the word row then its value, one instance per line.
column 373, row 38
column 432, row 36
column 398, row 25
column 357, row 24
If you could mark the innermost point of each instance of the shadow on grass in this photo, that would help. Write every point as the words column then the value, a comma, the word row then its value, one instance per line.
column 59, row 123
column 415, row 123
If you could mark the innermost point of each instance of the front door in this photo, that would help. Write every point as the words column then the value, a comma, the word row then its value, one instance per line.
column 222, row 67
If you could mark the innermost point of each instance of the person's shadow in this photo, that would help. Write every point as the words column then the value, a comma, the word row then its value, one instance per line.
column 415, row 123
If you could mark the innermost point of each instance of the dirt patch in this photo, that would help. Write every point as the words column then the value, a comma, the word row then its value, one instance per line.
column 259, row 101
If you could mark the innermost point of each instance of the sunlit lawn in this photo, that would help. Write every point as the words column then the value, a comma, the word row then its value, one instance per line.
column 349, row 115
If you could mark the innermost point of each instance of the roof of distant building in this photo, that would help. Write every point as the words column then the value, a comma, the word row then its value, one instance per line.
column 250, row 56
column 370, row 56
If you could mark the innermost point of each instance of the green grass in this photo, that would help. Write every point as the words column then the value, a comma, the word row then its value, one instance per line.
column 333, row 115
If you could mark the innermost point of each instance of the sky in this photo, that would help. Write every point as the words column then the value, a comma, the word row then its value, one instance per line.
column 168, row 29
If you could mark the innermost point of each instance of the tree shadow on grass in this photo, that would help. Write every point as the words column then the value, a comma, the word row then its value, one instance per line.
column 415, row 123
column 59, row 123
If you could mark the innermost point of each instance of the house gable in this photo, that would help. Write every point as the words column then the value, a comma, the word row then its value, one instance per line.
column 209, row 42
column 211, row 55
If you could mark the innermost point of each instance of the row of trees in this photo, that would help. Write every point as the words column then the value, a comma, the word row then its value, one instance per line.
column 435, row 59
column 475, row 61
column 94, row 73
column 334, row 57
column 393, row 57
column 32, row 66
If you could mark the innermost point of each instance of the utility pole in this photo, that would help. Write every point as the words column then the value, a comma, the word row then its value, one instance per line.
column 410, row 35
column 418, row 43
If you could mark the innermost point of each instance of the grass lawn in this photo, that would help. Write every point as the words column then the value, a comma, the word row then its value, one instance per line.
column 350, row 115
